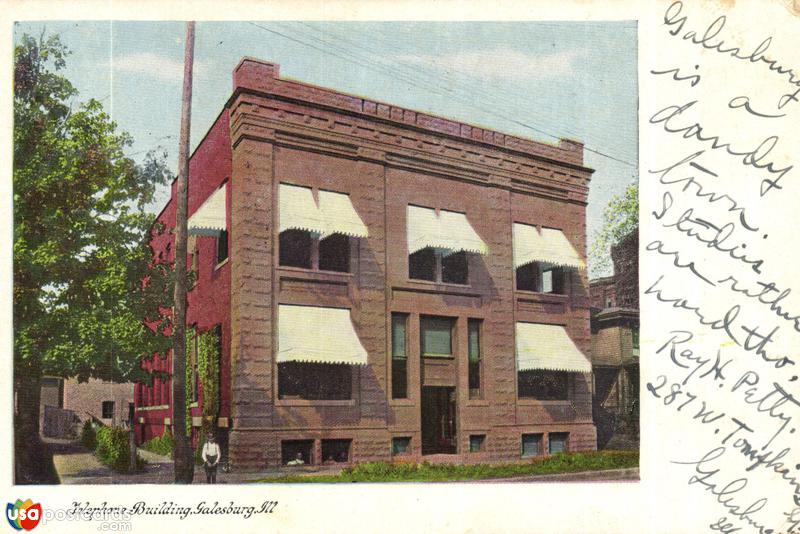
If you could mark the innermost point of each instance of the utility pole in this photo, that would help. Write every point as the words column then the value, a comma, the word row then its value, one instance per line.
column 183, row 457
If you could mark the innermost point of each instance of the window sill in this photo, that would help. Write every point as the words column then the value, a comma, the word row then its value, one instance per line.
column 222, row 263
column 556, row 297
column 312, row 274
column 478, row 402
column 304, row 402
column 537, row 402
column 402, row 402
column 150, row 408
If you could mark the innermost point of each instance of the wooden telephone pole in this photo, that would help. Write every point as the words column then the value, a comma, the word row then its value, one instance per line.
column 183, row 457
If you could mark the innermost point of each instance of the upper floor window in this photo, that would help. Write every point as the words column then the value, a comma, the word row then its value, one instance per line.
column 315, row 234
column 222, row 246
column 437, row 266
column 438, row 244
column 543, row 260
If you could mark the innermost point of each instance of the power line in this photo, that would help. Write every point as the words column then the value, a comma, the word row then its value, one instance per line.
column 414, row 81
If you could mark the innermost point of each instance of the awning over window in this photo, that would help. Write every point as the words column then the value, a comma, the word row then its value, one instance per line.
column 549, row 246
column 209, row 219
column 334, row 215
column 449, row 231
column 549, row 347
column 318, row 335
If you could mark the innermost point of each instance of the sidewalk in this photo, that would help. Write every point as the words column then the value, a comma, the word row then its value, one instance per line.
column 76, row 465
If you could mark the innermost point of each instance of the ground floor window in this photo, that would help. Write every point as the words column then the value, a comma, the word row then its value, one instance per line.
column 531, row 445
column 401, row 445
column 558, row 442
column 336, row 450
column 314, row 381
column 297, row 451
column 108, row 409
column 476, row 442
column 543, row 385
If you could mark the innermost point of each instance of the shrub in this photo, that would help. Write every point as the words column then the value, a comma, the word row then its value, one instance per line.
column 88, row 435
column 113, row 448
column 161, row 444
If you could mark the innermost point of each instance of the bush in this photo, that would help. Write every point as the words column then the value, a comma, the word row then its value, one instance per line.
column 160, row 445
column 88, row 435
column 113, row 448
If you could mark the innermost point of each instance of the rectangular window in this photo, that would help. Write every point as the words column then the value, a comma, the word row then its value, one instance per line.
column 476, row 442
column 295, row 248
column 635, row 340
column 222, row 246
column 314, row 381
column 531, row 445
column 558, row 442
column 527, row 277
column 439, row 266
column 334, row 253
column 297, row 451
column 335, row 451
column 436, row 336
column 542, row 278
column 547, row 281
column 475, row 360
column 454, row 268
column 543, row 385
column 399, row 357
column 422, row 265
column 401, row 446
column 108, row 409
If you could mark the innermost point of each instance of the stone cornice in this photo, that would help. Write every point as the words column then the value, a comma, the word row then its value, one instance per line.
column 295, row 125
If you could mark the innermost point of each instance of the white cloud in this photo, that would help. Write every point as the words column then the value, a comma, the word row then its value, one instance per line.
column 502, row 63
column 155, row 66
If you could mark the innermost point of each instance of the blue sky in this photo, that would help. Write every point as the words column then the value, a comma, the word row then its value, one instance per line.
column 532, row 79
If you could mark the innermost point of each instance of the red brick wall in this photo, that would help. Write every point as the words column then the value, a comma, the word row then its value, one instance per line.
column 209, row 299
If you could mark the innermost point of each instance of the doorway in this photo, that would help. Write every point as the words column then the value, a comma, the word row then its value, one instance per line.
column 438, row 420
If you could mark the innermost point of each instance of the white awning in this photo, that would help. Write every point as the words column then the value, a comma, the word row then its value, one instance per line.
column 449, row 231
column 318, row 335
column 549, row 246
column 340, row 216
column 334, row 215
column 297, row 210
column 546, row 346
column 209, row 218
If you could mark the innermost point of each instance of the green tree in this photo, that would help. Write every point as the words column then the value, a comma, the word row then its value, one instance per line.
column 84, row 278
column 620, row 218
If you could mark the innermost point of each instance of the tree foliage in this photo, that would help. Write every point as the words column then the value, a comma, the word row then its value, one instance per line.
column 80, row 230
column 620, row 218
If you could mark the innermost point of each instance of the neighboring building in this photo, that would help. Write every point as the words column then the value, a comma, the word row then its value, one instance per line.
column 603, row 293
column 384, row 283
column 65, row 404
column 615, row 347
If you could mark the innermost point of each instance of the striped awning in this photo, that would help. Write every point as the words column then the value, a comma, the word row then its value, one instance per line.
column 334, row 215
column 550, row 246
column 449, row 231
column 548, row 347
column 318, row 335
column 209, row 219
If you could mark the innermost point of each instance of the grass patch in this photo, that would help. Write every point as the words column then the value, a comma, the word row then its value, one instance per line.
column 425, row 472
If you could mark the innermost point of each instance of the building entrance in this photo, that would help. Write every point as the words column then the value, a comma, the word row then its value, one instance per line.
column 438, row 420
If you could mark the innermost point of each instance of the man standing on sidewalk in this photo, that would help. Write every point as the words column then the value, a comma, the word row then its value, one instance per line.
column 211, row 455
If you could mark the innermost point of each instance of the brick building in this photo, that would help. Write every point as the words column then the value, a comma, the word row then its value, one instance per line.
column 615, row 347
column 383, row 282
column 108, row 402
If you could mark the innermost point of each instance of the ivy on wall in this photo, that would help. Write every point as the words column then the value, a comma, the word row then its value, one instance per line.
column 208, row 356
